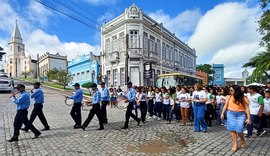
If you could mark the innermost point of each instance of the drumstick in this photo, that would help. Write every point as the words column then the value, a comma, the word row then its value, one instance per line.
column 13, row 94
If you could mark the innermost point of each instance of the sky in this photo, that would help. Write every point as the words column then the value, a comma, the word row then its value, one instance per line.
column 221, row 31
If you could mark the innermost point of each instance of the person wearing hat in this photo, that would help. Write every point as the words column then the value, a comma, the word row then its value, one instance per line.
column 131, row 95
column 22, row 103
column 38, row 96
column 105, row 99
column 95, row 109
column 76, row 109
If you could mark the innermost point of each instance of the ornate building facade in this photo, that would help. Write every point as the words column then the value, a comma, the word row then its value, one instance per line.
column 17, row 64
column 148, row 41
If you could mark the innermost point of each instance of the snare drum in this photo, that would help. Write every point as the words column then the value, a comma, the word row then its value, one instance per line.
column 69, row 102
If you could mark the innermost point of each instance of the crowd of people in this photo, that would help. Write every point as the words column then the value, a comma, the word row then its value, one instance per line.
column 235, row 107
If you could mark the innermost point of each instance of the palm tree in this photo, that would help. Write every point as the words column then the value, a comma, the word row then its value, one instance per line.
column 261, row 63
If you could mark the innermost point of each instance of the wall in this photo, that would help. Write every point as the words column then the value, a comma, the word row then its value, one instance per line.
column 203, row 76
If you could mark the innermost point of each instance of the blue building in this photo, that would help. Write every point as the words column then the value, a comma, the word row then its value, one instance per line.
column 218, row 75
column 84, row 68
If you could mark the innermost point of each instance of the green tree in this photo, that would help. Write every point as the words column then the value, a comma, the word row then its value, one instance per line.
column 26, row 73
column 207, row 68
column 261, row 62
column 88, row 86
column 63, row 77
column 52, row 74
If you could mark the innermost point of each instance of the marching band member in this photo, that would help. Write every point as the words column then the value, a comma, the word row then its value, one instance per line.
column 105, row 98
column 38, row 96
column 76, row 109
column 95, row 109
column 131, row 95
column 22, row 103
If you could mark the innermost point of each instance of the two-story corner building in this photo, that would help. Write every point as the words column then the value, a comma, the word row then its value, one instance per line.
column 84, row 68
column 49, row 61
column 148, row 41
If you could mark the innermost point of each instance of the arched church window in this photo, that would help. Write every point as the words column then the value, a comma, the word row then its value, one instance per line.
column 94, row 76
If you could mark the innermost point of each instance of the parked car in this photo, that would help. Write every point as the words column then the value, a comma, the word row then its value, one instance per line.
column 5, row 85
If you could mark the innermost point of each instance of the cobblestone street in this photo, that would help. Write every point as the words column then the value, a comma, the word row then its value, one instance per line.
column 152, row 138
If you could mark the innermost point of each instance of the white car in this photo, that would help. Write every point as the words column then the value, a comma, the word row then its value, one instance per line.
column 5, row 85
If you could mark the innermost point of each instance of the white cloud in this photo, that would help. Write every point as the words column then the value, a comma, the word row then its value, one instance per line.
column 228, row 34
column 182, row 25
column 37, row 13
column 41, row 42
column 35, row 39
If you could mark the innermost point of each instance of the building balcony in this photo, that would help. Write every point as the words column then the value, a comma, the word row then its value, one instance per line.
column 134, row 53
column 113, row 57
column 153, row 56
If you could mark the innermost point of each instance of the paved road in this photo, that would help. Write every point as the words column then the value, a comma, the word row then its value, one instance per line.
column 153, row 138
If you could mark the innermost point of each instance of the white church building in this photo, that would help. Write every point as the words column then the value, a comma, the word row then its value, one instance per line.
column 17, row 64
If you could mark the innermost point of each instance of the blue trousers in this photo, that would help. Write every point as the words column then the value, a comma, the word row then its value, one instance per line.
column 158, row 108
column 176, row 111
column 199, row 121
column 166, row 112
column 256, row 123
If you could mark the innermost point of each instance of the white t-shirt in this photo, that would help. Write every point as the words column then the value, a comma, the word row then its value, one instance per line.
column 220, row 99
column 178, row 93
column 185, row 97
column 266, row 105
column 254, row 105
column 209, row 98
column 142, row 96
column 199, row 95
column 158, row 97
column 151, row 95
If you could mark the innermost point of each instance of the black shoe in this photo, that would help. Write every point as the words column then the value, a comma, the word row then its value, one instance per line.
column 100, row 128
column 37, row 135
column 77, row 127
column 83, row 128
column 105, row 122
column 45, row 129
column 204, row 131
column 24, row 129
column 139, row 121
column 124, row 127
column 248, row 136
column 13, row 139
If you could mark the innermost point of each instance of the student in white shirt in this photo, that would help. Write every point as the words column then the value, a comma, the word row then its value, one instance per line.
column 166, row 103
column 220, row 102
column 142, row 97
column 158, row 103
column 199, row 98
column 184, row 99
column 266, row 110
column 256, row 106
column 150, row 97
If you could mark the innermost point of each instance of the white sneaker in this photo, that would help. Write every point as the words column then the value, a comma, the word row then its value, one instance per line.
column 158, row 118
column 246, row 132
column 150, row 117
column 154, row 117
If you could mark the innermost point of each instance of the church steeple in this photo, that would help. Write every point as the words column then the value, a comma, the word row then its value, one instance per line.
column 16, row 35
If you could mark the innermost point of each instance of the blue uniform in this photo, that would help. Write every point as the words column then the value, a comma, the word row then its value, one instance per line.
column 38, row 96
column 105, row 94
column 77, row 97
column 131, row 95
column 96, row 97
column 23, row 101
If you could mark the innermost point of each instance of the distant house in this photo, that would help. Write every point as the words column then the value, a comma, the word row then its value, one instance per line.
column 49, row 61
column 203, row 76
column 218, row 74
column 84, row 68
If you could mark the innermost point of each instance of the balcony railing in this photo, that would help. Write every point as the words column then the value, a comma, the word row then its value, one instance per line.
column 113, row 57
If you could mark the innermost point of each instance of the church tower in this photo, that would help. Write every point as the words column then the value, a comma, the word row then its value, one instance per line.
column 15, row 53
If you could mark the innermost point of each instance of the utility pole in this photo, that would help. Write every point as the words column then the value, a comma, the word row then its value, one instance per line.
column 126, row 60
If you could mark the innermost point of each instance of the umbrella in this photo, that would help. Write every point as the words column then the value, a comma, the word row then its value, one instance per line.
column 256, row 84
